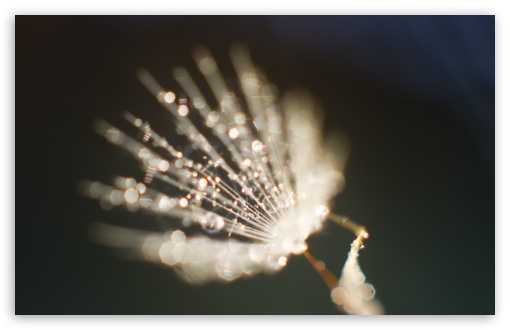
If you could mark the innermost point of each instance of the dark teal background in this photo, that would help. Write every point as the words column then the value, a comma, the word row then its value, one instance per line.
column 414, row 93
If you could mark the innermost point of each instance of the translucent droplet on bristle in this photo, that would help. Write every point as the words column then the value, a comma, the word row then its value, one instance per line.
column 178, row 237
column 186, row 222
column 113, row 135
column 257, row 254
column 95, row 189
column 240, row 118
column 168, row 97
column 145, row 201
column 233, row 133
column 269, row 205
column 131, row 195
column 227, row 269
column 181, row 252
column 273, row 264
column 129, row 183
column 183, row 110
column 212, row 223
column 322, row 211
column 141, row 188
column 199, row 103
column 116, row 197
column 256, row 146
column 212, row 118
column 144, row 153
column 166, row 253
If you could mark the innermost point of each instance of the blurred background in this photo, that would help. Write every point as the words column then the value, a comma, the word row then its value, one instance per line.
column 415, row 94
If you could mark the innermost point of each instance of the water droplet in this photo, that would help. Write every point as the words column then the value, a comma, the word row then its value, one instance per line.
column 212, row 223
column 256, row 146
column 257, row 254
column 144, row 153
column 141, row 188
column 199, row 103
column 207, row 65
column 202, row 183
column 169, row 97
column 163, row 166
column 96, row 189
column 240, row 118
column 233, row 133
column 178, row 237
column 131, row 195
column 227, row 269
column 116, row 197
column 322, row 211
column 181, row 252
column 166, row 253
column 114, row 135
column 145, row 201
column 165, row 203
column 183, row 202
column 183, row 110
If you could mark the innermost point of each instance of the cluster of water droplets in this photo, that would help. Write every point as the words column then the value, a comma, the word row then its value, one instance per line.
column 266, row 178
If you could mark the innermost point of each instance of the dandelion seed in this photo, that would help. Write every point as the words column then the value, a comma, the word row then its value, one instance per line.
column 258, row 181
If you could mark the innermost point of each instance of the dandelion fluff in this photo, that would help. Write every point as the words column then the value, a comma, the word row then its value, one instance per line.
column 257, row 182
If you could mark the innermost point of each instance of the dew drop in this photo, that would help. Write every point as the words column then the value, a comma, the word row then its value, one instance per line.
column 199, row 103
column 233, row 133
column 114, row 135
column 240, row 118
column 145, row 201
column 212, row 118
column 163, row 166
column 131, row 195
column 141, row 188
column 178, row 237
column 181, row 252
column 212, row 223
column 322, row 211
column 183, row 110
column 166, row 253
column 202, row 183
column 183, row 202
column 166, row 203
column 116, row 197
column 144, row 153
column 169, row 97
column 256, row 146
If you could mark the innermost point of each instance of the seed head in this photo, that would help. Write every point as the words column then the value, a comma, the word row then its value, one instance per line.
column 255, row 176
